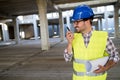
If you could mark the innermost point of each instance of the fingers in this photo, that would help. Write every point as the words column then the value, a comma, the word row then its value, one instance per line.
column 101, row 69
column 69, row 36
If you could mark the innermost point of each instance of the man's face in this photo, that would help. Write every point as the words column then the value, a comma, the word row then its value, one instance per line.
column 80, row 26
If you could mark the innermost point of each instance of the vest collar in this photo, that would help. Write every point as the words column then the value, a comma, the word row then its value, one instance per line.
column 87, row 34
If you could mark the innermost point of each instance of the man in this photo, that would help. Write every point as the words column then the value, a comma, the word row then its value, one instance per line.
column 87, row 44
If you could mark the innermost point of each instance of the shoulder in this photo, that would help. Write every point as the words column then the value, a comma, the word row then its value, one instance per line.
column 103, row 33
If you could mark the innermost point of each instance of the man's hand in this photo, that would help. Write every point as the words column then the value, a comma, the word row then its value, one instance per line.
column 101, row 69
column 69, row 36
column 109, row 64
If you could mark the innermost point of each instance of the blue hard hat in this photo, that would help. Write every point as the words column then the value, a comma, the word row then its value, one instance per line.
column 82, row 12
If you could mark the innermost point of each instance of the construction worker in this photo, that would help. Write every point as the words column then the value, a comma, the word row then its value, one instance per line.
column 87, row 44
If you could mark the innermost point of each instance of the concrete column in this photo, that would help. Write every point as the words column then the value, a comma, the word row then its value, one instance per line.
column 35, row 28
column 58, row 31
column 42, row 8
column 100, row 24
column 61, row 23
column 16, row 30
column 5, row 32
column 68, row 21
column 96, row 25
column 116, row 21
column 53, row 30
column 106, row 18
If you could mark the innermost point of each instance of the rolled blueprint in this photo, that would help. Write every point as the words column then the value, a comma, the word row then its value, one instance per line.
column 93, row 64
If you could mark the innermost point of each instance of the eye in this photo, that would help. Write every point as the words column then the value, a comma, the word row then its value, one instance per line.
column 77, row 22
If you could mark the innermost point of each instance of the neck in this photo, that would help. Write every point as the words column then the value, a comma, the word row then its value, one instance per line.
column 87, row 30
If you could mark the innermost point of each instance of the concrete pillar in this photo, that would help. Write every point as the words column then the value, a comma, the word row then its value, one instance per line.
column 68, row 21
column 42, row 8
column 35, row 27
column 106, row 18
column 16, row 30
column 5, row 32
column 96, row 25
column 100, row 24
column 53, row 30
column 116, row 21
column 61, row 23
column 58, row 30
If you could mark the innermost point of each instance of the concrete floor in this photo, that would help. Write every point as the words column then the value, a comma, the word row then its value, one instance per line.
column 26, row 61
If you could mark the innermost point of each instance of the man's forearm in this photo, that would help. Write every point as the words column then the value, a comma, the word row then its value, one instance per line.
column 109, row 64
column 67, row 56
column 69, row 48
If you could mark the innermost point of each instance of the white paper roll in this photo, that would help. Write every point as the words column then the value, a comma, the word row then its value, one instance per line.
column 93, row 64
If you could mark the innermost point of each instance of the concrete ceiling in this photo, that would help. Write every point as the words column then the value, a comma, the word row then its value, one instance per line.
column 11, row 8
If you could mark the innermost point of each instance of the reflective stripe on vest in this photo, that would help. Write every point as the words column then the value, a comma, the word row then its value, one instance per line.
column 80, row 61
column 87, row 73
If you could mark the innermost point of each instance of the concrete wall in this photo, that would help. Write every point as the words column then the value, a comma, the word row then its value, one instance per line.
column 53, row 30
column 27, row 31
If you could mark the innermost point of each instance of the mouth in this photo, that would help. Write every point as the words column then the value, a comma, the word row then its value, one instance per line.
column 77, row 28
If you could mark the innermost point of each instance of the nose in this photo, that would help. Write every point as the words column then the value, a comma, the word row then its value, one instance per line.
column 75, row 24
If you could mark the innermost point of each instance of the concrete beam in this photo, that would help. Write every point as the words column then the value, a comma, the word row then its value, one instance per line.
column 3, row 15
column 50, row 3
column 91, row 3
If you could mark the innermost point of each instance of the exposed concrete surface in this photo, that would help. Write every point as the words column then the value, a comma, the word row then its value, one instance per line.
column 26, row 61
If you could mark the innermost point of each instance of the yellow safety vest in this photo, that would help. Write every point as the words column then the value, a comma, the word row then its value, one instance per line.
column 94, row 50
